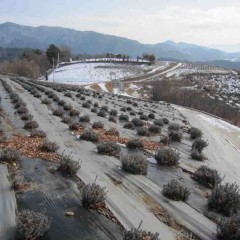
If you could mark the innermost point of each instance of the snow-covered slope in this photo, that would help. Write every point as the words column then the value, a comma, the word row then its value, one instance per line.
column 83, row 73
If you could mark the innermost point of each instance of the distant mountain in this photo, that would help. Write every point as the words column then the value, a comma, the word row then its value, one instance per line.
column 7, row 54
column 227, row 47
column 87, row 42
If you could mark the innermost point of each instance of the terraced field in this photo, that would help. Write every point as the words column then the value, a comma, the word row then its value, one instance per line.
column 100, row 131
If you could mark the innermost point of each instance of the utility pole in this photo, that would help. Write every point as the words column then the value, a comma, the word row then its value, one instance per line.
column 53, row 70
column 57, row 61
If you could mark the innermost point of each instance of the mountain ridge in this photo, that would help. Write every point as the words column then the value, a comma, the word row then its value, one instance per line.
column 13, row 35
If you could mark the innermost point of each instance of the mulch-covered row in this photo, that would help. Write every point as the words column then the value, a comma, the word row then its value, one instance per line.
column 105, row 136
column 29, row 147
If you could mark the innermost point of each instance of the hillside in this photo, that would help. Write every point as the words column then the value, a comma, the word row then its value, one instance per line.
column 7, row 54
column 64, row 115
column 18, row 36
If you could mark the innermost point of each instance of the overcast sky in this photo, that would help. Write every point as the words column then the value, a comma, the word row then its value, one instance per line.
column 204, row 22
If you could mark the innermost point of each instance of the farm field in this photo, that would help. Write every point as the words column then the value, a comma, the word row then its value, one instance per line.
column 76, row 122
column 85, row 73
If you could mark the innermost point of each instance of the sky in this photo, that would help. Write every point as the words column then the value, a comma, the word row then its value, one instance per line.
column 204, row 22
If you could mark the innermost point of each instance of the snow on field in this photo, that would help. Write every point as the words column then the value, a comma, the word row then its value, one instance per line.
column 218, row 123
column 107, row 60
column 186, row 68
column 159, row 66
column 83, row 73
column 103, row 87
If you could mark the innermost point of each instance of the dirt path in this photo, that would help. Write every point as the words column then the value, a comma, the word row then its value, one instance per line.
column 154, row 75
column 223, row 151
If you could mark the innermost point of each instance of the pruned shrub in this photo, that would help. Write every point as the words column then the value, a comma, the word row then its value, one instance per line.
column 61, row 102
column 129, row 109
column 151, row 115
column 19, row 104
column 104, row 108
column 89, row 135
column 154, row 129
column 113, row 112
column 75, row 126
column 176, row 191
column 129, row 125
column 94, row 110
column 199, row 144
column 174, row 126
column 67, row 107
column 46, row 101
column 9, row 155
column 66, row 119
column 112, row 132
column 124, row 118
column 138, row 234
column 112, row 119
column 102, row 113
column 84, row 118
column 159, row 122
column 26, row 117
column 30, row 125
column 82, row 98
column 144, row 117
column 195, row 133
column 132, row 113
column 58, row 112
column 135, row 163
column 225, row 199
column 137, row 122
column 98, row 125
column 55, row 98
column 196, row 155
column 109, row 148
column 165, row 120
column 48, row 146
column 165, row 140
column 68, row 166
column 22, row 110
column 167, row 156
column 37, row 95
column 32, row 225
column 123, row 109
column 140, row 113
column 229, row 228
column 38, row 133
column 93, row 196
column 86, row 105
column 135, row 143
column 143, row 131
column 74, row 113
column 207, row 177
column 68, row 94
column 135, row 104
column 175, row 135
column 96, row 105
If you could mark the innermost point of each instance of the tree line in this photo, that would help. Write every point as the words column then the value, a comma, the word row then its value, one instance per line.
column 34, row 63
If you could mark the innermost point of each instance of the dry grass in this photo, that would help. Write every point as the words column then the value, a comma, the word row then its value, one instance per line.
column 95, row 87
